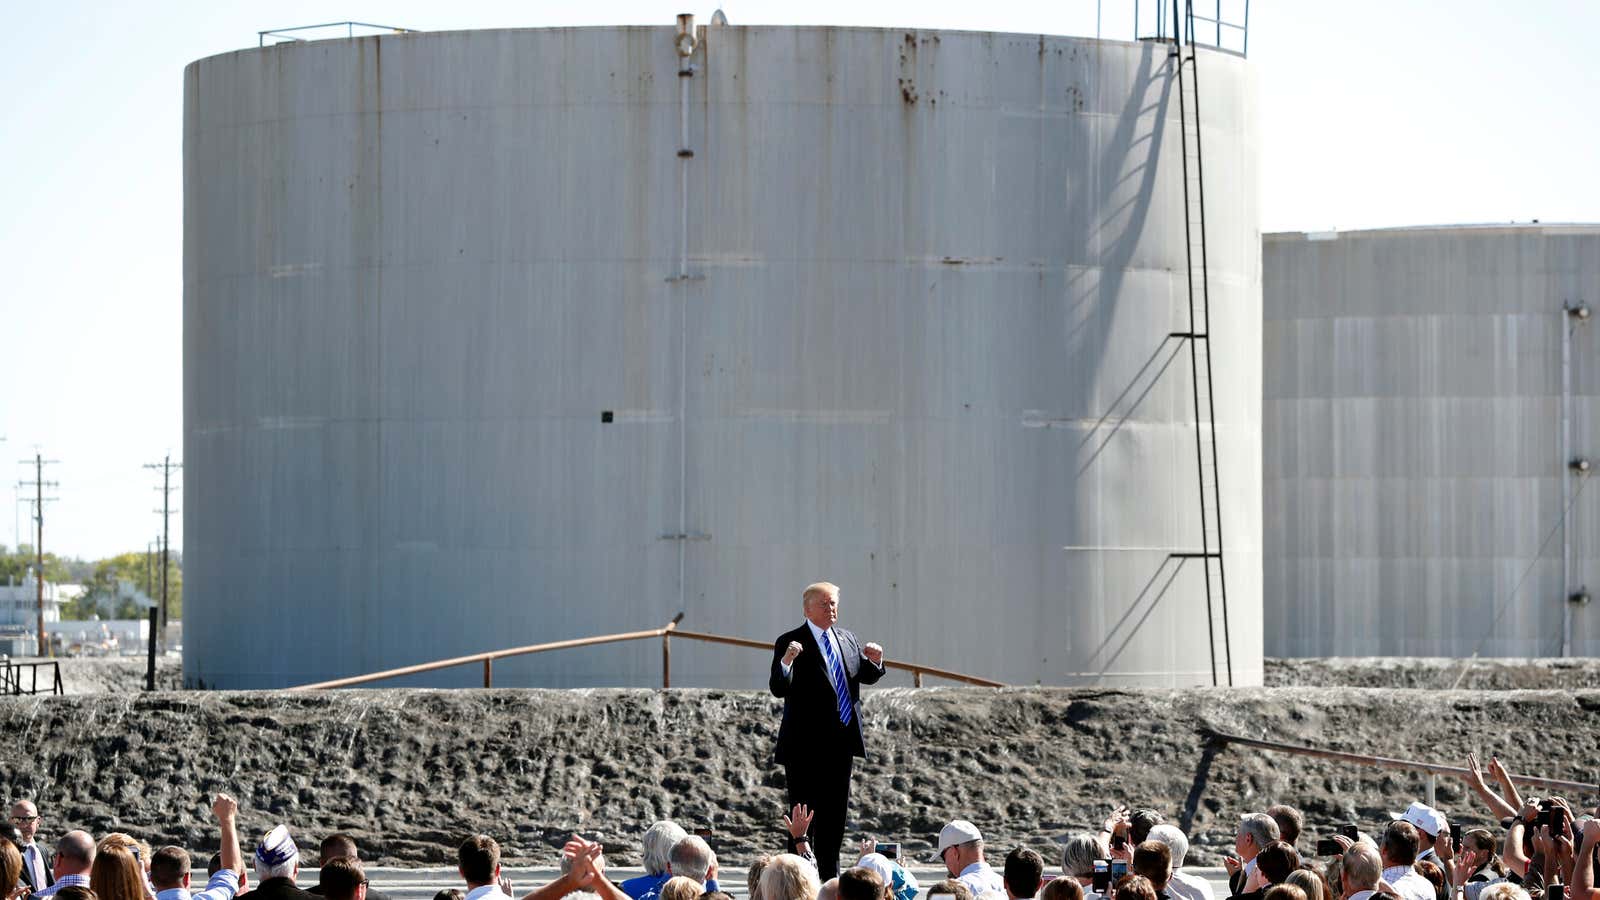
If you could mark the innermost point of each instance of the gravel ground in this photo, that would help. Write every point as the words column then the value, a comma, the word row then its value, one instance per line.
column 410, row 772
column 1434, row 673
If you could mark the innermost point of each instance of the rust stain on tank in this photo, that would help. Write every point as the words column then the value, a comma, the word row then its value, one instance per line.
column 908, row 69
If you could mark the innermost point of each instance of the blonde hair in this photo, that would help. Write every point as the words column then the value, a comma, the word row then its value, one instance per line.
column 788, row 877
column 116, row 874
column 753, row 878
column 820, row 587
column 681, row 888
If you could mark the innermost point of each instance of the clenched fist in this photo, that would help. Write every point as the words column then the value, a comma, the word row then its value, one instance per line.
column 793, row 651
column 874, row 653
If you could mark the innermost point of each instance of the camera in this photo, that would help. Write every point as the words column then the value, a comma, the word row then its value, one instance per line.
column 1350, row 831
column 1455, row 836
column 1329, row 847
column 1102, row 876
column 890, row 850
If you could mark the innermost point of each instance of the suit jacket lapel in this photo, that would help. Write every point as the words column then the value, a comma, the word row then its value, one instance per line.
column 849, row 655
column 822, row 661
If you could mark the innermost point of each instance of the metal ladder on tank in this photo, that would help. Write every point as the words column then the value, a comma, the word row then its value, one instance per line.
column 1199, row 338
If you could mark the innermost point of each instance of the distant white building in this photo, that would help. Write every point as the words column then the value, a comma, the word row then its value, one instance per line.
column 19, row 612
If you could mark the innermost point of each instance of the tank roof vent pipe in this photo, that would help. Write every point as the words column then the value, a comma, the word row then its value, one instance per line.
column 685, row 40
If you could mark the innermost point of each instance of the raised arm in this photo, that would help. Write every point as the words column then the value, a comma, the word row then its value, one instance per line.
column 1508, row 787
column 578, row 878
column 1499, row 806
column 1583, row 886
column 783, row 656
column 227, row 813
column 1511, row 852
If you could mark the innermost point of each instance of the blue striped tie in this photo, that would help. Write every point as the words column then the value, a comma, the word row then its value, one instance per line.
column 841, row 686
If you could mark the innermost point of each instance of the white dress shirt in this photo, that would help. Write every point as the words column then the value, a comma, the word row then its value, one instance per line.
column 1409, row 883
column 222, row 886
column 1183, row 886
column 34, row 860
column 487, row 892
column 980, row 877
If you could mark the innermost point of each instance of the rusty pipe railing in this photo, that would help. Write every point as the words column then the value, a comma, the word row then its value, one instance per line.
column 916, row 670
column 1385, row 762
column 666, row 633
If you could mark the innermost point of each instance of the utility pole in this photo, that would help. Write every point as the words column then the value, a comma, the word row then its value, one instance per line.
column 149, row 590
column 39, row 484
column 166, row 466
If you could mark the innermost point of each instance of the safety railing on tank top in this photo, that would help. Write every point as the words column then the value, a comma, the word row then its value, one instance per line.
column 666, row 633
column 1216, row 24
column 324, row 30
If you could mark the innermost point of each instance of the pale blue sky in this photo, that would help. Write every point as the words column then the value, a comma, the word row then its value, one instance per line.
column 1372, row 114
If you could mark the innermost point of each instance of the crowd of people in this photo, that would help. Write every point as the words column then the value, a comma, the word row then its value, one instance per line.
column 1544, row 850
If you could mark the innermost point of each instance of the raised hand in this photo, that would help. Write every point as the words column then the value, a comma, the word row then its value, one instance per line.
column 1497, row 770
column 874, row 653
column 225, row 808
column 798, row 821
column 1117, row 819
column 791, row 652
column 584, row 855
column 1474, row 776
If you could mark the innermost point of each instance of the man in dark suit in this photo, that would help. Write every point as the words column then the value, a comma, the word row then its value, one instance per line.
column 36, row 869
column 278, row 867
column 818, row 670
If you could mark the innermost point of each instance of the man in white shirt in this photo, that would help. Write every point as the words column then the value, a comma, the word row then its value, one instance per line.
column 1256, row 830
column 961, row 850
column 1182, row 885
column 1430, row 824
column 169, row 866
column 35, row 867
column 479, row 865
column 1399, row 856
column 1360, row 871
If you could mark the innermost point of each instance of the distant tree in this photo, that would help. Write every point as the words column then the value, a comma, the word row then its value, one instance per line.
column 15, row 563
column 104, row 594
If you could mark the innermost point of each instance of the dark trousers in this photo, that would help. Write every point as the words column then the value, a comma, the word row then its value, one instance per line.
column 822, row 783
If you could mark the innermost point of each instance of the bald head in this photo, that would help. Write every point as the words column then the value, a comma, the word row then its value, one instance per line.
column 25, row 816
column 74, row 853
column 1361, row 868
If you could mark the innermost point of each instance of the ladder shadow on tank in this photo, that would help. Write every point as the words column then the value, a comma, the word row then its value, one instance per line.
column 1111, row 634
column 1094, row 430
column 1122, row 226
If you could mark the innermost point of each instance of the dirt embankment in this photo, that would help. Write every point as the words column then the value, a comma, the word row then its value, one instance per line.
column 411, row 772
column 1432, row 673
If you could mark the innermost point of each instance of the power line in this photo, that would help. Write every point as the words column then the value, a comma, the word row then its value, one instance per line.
column 39, row 500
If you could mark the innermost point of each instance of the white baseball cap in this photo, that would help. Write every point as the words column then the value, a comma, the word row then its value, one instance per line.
column 1424, row 817
column 958, row 832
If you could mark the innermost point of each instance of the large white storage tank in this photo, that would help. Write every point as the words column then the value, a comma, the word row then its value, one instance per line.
column 481, row 350
column 1416, row 474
